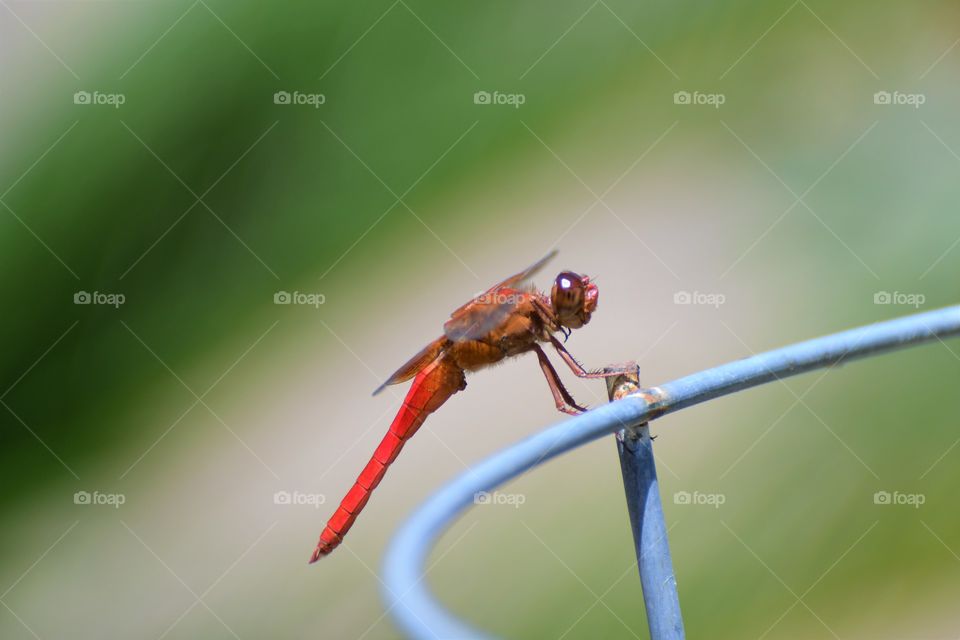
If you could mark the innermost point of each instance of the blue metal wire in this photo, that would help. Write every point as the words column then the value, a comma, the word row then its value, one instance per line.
column 411, row 603
column 640, row 484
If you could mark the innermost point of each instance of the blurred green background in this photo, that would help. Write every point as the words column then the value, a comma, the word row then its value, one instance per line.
column 797, row 203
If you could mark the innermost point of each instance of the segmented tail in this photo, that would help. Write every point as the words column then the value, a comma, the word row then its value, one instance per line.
column 431, row 388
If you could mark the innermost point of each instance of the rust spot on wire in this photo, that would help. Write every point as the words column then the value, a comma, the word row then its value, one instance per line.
column 656, row 399
column 622, row 387
column 626, row 382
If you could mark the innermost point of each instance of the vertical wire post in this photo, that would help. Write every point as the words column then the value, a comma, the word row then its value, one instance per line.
column 657, row 579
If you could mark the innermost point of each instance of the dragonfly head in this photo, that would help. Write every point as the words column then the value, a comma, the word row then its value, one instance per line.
column 573, row 298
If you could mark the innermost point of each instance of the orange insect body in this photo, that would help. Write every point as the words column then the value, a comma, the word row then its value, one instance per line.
column 503, row 322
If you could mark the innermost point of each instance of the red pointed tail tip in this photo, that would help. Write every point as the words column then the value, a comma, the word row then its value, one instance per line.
column 328, row 542
column 323, row 549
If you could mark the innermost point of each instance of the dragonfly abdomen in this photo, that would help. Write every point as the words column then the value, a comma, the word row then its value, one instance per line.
column 431, row 388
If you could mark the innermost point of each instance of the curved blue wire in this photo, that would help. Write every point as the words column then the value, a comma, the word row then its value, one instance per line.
column 412, row 605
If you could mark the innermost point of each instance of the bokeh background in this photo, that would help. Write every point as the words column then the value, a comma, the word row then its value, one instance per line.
column 783, row 199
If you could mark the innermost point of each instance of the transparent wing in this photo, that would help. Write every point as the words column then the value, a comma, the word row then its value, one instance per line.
column 415, row 364
column 492, row 308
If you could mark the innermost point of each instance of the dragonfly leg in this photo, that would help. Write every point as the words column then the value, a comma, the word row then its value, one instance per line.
column 580, row 372
column 561, row 396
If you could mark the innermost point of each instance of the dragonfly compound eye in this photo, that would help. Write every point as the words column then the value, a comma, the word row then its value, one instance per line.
column 569, row 299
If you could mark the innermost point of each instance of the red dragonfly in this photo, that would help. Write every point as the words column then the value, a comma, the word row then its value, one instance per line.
column 507, row 320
